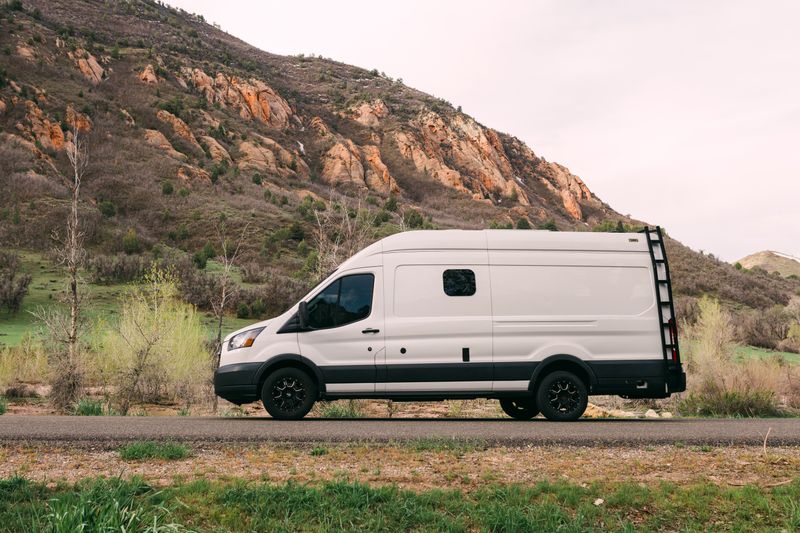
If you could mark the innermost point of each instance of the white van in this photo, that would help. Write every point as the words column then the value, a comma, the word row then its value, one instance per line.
column 539, row 320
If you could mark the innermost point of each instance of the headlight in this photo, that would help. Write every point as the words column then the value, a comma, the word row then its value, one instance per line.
column 244, row 339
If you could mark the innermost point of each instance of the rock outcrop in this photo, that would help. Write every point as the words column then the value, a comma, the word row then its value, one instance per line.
column 157, row 139
column 180, row 128
column 460, row 153
column 148, row 75
column 40, row 129
column 215, row 149
column 78, row 120
column 557, row 179
column 263, row 154
column 2, row 106
column 369, row 114
column 190, row 173
column 88, row 66
column 345, row 162
column 254, row 99
column 26, row 52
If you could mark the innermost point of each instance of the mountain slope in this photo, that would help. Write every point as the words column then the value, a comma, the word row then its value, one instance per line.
column 784, row 264
column 186, row 123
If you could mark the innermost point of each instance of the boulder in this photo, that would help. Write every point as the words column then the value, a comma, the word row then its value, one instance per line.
column 40, row 129
column 217, row 151
column 148, row 75
column 180, row 128
column 369, row 114
column 88, row 66
column 77, row 120
column 157, row 139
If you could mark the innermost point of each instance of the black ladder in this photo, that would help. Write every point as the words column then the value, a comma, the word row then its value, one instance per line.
column 666, row 309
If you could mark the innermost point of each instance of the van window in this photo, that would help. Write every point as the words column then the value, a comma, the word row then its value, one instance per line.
column 459, row 282
column 346, row 300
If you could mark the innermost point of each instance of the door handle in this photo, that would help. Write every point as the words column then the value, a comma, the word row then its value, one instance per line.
column 370, row 330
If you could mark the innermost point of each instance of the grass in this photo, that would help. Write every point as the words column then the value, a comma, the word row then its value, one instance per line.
column 167, row 451
column 743, row 353
column 88, row 407
column 441, row 444
column 114, row 505
column 341, row 409
column 3, row 405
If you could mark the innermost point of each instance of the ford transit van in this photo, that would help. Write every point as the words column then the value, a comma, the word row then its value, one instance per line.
column 539, row 320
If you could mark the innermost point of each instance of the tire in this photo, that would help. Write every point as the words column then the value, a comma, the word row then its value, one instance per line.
column 562, row 396
column 288, row 394
column 519, row 408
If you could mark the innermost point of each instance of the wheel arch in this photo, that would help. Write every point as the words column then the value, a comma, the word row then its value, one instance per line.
column 291, row 361
column 565, row 362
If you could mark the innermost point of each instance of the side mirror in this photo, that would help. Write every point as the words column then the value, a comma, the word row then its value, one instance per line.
column 302, row 314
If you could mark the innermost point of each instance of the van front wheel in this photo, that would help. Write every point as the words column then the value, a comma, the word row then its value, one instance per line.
column 288, row 394
column 562, row 396
column 519, row 408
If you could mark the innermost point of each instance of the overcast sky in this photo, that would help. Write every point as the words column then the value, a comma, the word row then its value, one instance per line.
column 680, row 113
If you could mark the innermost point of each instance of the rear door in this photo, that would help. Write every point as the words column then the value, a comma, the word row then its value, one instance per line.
column 346, row 330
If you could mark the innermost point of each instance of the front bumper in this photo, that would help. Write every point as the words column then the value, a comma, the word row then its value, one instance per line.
column 237, row 383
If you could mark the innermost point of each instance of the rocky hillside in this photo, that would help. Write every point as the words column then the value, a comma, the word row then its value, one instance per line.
column 185, row 122
column 784, row 264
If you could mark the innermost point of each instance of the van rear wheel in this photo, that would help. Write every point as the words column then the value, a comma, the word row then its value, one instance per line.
column 519, row 408
column 288, row 394
column 562, row 396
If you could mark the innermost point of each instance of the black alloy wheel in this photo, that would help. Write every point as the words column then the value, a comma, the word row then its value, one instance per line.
column 562, row 396
column 519, row 408
column 288, row 394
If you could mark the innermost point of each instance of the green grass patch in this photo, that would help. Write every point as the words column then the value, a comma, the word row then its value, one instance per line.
column 341, row 409
column 443, row 444
column 743, row 353
column 116, row 505
column 88, row 407
column 140, row 451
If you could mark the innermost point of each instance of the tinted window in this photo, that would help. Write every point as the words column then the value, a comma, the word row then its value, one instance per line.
column 459, row 282
column 346, row 300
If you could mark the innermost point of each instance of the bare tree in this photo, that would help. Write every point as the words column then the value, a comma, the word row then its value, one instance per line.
column 67, row 378
column 227, row 286
column 341, row 230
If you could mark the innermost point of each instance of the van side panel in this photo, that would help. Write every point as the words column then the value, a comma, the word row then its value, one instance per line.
column 598, row 306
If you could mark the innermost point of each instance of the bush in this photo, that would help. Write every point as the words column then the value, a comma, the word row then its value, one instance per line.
column 158, row 347
column 3, row 405
column 168, row 451
column 765, row 328
column 119, row 268
column 87, row 407
column 167, row 188
column 717, row 384
column 413, row 219
column 523, row 224
column 391, row 203
column 130, row 242
column 13, row 284
column 200, row 260
column 24, row 363
column 107, row 208
column 549, row 225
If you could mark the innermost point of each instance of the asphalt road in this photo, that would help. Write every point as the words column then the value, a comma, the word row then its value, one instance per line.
column 109, row 430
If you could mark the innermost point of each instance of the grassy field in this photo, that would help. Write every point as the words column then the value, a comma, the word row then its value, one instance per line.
column 752, row 352
column 102, row 301
column 235, row 505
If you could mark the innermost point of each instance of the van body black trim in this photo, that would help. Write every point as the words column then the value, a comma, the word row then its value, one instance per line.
column 647, row 378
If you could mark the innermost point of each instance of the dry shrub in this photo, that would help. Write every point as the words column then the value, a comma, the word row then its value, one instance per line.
column 720, row 386
column 158, row 351
column 25, row 363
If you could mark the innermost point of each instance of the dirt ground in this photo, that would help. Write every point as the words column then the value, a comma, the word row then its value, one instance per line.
column 411, row 467
column 600, row 407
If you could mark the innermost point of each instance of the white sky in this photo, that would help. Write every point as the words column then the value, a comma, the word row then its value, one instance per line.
column 681, row 113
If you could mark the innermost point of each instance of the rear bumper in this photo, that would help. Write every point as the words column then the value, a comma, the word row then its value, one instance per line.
column 638, row 379
column 237, row 383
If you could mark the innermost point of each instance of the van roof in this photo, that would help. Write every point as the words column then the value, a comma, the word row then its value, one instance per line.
column 494, row 239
